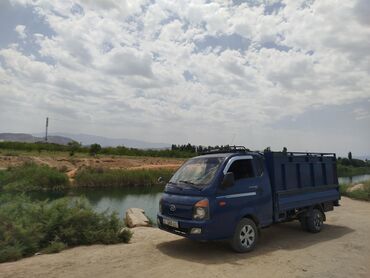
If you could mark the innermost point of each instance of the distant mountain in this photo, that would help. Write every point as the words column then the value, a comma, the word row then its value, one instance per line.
column 87, row 139
column 28, row 138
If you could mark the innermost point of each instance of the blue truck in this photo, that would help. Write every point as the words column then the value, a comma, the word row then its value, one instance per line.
column 232, row 194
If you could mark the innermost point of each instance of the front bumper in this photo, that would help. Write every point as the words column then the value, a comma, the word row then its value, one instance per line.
column 185, row 227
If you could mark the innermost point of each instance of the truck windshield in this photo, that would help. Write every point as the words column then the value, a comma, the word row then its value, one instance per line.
column 197, row 171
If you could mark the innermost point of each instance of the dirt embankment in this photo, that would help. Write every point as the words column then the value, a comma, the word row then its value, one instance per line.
column 71, row 165
column 342, row 249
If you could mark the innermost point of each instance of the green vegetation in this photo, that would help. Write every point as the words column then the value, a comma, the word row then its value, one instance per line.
column 359, row 194
column 98, row 177
column 73, row 148
column 352, row 167
column 31, row 176
column 34, row 177
column 27, row 227
column 345, row 171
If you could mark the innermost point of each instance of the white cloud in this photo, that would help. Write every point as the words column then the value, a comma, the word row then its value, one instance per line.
column 123, row 63
column 21, row 30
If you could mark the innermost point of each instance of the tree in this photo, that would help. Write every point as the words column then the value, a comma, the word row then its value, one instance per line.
column 94, row 149
column 285, row 150
column 268, row 149
column 350, row 156
column 73, row 147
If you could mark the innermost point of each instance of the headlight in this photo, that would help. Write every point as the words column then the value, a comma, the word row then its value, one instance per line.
column 201, row 210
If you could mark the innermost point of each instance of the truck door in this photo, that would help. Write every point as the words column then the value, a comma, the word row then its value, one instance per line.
column 251, row 193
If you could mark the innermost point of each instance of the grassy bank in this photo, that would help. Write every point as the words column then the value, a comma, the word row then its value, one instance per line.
column 345, row 171
column 27, row 227
column 359, row 194
column 31, row 176
column 98, row 177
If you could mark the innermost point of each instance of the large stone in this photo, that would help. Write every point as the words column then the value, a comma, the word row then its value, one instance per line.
column 359, row 186
column 135, row 217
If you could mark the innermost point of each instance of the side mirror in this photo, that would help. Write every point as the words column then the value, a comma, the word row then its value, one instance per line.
column 228, row 180
column 160, row 180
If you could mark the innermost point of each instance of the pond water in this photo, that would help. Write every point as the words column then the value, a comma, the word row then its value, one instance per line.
column 119, row 200
column 113, row 199
column 354, row 179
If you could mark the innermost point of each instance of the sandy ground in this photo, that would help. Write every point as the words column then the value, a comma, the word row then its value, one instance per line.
column 342, row 249
column 69, row 163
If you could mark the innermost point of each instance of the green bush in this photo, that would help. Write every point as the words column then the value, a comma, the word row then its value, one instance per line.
column 31, row 176
column 27, row 227
column 99, row 177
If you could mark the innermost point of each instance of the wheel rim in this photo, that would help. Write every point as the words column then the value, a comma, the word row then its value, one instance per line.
column 247, row 236
column 318, row 221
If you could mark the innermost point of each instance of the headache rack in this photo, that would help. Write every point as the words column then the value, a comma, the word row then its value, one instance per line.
column 227, row 149
column 307, row 155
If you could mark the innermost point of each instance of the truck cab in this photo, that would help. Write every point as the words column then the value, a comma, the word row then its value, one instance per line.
column 229, row 195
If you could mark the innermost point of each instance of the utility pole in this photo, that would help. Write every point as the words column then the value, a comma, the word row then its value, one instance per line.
column 46, row 129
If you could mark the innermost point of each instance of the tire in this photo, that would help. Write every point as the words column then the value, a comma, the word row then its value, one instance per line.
column 315, row 221
column 245, row 236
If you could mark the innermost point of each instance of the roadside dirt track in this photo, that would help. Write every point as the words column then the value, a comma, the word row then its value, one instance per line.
column 342, row 249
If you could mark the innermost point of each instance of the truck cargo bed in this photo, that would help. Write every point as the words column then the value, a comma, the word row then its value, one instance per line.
column 301, row 180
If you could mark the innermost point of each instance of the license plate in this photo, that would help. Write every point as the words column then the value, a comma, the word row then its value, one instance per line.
column 170, row 222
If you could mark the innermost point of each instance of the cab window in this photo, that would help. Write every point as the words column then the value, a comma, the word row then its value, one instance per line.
column 242, row 169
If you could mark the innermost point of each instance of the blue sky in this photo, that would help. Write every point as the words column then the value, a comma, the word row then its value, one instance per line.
column 258, row 73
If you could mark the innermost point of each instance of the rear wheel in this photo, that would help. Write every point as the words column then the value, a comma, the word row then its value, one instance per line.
column 315, row 221
column 245, row 236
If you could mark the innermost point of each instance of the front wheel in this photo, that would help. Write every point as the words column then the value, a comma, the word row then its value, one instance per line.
column 245, row 236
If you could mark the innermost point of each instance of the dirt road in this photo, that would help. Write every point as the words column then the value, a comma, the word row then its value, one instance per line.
column 342, row 249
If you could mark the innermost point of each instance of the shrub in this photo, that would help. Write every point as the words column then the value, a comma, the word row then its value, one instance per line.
column 27, row 227
column 54, row 247
column 31, row 176
column 125, row 235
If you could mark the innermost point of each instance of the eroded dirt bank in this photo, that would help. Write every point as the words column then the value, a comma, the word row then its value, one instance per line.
column 342, row 249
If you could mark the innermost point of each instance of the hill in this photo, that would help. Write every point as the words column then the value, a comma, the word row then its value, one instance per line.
column 88, row 139
column 28, row 138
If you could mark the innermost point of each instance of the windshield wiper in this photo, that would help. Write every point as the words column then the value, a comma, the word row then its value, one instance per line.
column 192, row 184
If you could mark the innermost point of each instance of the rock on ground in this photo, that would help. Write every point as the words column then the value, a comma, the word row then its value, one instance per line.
column 135, row 217
column 359, row 186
